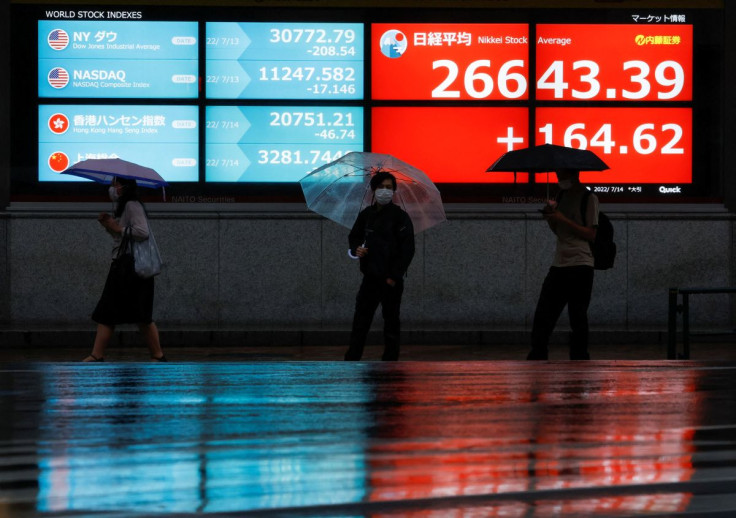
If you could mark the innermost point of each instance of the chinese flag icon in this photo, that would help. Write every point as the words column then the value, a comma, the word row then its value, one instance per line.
column 58, row 123
column 58, row 161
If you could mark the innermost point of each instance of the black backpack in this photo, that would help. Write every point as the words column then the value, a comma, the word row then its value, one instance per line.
column 603, row 248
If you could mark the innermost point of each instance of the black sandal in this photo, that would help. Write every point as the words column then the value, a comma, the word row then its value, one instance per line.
column 94, row 359
column 161, row 358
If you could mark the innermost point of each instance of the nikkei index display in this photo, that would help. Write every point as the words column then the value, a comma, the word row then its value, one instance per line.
column 429, row 79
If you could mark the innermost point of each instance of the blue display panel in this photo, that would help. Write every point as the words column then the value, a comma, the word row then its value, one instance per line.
column 284, row 60
column 164, row 138
column 117, row 59
column 277, row 143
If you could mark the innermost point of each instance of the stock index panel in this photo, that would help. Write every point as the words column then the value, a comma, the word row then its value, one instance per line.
column 278, row 143
column 625, row 91
column 97, row 63
column 281, row 62
column 284, row 60
column 646, row 139
column 117, row 59
column 225, row 100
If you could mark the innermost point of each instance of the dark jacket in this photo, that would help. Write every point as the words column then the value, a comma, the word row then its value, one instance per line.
column 388, row 235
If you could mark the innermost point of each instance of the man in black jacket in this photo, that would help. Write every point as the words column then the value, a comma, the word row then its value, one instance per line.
column 383, row 239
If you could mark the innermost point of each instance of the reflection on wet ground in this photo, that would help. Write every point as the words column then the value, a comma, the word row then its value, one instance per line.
column 408, row 439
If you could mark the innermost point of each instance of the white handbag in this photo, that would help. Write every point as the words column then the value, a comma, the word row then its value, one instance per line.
column 147, row 257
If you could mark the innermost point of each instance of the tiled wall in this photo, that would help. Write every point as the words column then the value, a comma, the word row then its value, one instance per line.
column 291, row 271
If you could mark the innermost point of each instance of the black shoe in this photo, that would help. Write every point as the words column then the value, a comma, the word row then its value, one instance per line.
column 580, row 356
column 537, row 355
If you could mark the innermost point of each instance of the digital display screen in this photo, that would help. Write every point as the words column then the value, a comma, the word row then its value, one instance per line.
column 614, row 62
column 449, row 61
column 242, row 103
column 284, row 61
column 276, row 143
column 478, row 135
column 640, row 145
column 164, row 138
column 117, row 59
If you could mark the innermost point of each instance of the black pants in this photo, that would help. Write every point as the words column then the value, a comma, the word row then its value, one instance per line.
column 374, row 291
column 569, row 286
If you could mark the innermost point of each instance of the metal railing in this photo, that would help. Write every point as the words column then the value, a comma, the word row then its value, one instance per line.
column 684, row 308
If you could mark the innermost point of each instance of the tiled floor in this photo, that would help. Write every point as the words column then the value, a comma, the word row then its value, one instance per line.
column 258, row 432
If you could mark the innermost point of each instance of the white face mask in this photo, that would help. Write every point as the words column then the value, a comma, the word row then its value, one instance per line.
column 113, row 193
column 565, row 184
column 383, row 196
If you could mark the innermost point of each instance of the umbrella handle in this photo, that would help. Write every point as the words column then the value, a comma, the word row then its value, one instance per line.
column 350, row 252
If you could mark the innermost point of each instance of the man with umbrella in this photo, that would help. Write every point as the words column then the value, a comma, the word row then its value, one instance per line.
column 570, row 279
column 359, row 191
column 383, row 239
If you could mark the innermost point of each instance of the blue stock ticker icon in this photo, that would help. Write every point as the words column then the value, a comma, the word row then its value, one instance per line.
column 393, row 44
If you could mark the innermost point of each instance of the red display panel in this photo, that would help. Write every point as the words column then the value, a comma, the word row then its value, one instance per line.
column 449, row 61
column 614, row 62
column 451, row 145
column 640, row 145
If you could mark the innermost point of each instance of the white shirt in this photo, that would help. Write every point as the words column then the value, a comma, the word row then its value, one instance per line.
column 134, row 217
column 573, row 250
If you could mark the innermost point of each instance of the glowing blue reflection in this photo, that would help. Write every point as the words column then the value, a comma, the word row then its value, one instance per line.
column 247, row 440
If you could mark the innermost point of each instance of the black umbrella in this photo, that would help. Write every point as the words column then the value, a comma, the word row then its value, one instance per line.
column 547, row 158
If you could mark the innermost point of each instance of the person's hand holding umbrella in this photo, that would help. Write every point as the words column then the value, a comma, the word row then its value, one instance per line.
column 107, row 221
column 554, row 217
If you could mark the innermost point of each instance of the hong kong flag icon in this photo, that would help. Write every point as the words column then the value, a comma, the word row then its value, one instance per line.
column 58, row 161
column 58, row 123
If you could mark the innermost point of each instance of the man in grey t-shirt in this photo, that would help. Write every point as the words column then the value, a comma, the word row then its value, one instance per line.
column 569, row 281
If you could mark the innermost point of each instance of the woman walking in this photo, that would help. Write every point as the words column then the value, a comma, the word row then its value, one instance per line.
column 131, row 301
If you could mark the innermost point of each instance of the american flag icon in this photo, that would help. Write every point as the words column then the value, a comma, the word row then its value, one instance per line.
column 58, row 77
column 58, row 39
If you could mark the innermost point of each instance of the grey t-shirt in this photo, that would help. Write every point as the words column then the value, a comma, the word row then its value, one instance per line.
column 571, row 249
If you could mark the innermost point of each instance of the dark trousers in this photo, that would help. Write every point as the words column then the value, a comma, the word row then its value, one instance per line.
column 374, row 291
column 569, row 286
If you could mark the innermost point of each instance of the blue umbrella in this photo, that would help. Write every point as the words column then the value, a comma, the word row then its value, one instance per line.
column 103, row 170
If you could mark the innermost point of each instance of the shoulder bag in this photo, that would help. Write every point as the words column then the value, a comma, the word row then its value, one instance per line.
column 147, row 256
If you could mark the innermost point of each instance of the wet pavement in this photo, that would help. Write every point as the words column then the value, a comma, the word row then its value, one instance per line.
column 429, row 439
column 136, row 352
